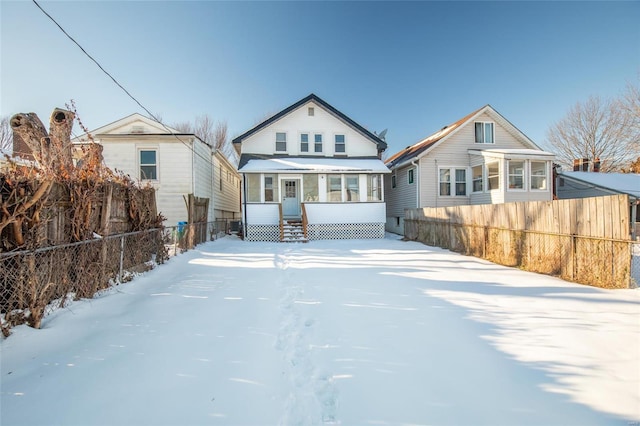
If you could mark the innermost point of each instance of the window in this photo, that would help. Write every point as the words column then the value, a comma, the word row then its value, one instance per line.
column 374, row 188
column 318, row 143
column 334, row 188
column 539, row 175
column 253, row 188
column 352, row 186
column 516, row 174
column 461, row 182
column 304, row 142
column 148, row 165
column 340, row 146
column 310, row 185
column 484, row 132
column 445, row 180
column 281, row 141
column 476, row 175
column 311, row 111
column 493, row 175
column 410, row 176
column 393, row 181
column 270, row 188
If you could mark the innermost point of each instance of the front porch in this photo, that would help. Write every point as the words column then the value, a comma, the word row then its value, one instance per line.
column 318, row 221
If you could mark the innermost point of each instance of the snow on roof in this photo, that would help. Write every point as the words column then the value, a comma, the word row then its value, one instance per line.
column 627, row 183
column 314, row 165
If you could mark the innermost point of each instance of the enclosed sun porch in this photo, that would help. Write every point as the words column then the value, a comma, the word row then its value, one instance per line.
column 313, row 199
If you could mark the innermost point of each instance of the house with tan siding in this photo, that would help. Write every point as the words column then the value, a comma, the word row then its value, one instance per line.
column 480, row 159
column 176, row 164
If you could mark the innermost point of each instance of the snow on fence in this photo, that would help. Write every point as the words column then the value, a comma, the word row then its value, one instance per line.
column 581, row 240
column 33, row 283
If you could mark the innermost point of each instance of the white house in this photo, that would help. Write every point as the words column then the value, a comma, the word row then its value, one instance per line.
column 312, row 165
column 175, row 164
column 480, row 159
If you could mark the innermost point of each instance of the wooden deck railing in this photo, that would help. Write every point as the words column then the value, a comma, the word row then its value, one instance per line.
column 281, row 222
column 305, row 222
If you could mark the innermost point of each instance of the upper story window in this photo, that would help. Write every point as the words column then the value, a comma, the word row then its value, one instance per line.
column 317, row 143
column 148, row 164
column 539, row 175
column 410, row 176
column 304, row 142
column 311, row 111
column 340, row 145
column 281, row 142
column 484, row 132
column 477, row 176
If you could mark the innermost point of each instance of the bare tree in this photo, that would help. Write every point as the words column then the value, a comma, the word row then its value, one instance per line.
column 6, row 135
column 212, row 132
column 597, row 130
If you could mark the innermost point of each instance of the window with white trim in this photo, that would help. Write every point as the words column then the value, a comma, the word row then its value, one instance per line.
column 493, row 175
column 477, row 177
column 516, row 174
column 352, row 187
column 281, row 142
column 539, row 175
column 148, row 164
column 455, row 176
column 374, row 188
column 252, row 182
column 484, row 132
column 339, row 144
column 317, row 143
column 304, row 142
column 334, row 188
column 270, row 188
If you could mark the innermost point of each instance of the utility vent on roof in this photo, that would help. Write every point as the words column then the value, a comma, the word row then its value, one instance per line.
column 137, row 129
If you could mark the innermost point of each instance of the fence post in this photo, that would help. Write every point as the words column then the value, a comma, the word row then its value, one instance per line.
column 121, row 259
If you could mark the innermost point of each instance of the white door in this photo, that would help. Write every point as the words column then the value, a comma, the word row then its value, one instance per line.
column 290, row 199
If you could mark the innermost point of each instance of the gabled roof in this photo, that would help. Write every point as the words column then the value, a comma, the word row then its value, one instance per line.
column 161, row 128
column 419, row 149
column 622, row 183
column 382, row 145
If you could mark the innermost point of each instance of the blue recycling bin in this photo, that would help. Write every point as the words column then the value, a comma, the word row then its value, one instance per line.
column 181, row 226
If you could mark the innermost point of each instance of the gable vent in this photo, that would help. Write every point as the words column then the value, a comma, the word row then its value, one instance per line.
column 311, row 111
column 137, row 129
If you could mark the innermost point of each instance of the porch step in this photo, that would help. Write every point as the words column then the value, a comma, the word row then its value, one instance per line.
column 293, row 232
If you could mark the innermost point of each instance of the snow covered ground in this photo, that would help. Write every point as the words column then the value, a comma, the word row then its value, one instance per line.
column 376, row 332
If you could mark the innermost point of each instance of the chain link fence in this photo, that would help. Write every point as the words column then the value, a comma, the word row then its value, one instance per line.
column 34, row 283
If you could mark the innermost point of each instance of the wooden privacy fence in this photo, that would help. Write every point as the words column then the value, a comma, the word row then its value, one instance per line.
column 581, row 240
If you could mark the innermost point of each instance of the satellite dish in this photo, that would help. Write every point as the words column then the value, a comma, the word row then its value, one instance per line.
column 383, row 134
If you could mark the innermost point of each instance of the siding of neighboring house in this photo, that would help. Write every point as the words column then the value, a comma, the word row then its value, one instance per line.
column 403, row 196
column 226, row 189
column 202, row 169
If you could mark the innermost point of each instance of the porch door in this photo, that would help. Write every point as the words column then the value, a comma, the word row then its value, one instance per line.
column 290, row 198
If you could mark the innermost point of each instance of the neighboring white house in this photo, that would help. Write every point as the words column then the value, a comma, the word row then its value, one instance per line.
column 175, row 164
column 590, row 184
column 313, row 164
column 480, row 159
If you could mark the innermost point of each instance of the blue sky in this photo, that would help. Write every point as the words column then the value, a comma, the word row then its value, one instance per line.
column 411, row 67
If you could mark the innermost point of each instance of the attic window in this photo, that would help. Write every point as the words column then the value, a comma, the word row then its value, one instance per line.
column 137, row 129
column 311, row 111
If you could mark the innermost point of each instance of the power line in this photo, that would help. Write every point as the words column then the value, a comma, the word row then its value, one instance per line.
column 120, row 85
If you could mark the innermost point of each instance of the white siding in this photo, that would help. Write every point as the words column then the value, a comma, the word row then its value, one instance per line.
column 262, row 214
column 297, row 122
column 345, row 213
column 226, row 189
column 403, row 196
column 203, row 175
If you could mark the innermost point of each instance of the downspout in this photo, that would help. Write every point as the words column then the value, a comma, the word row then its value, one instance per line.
column 437, row 192
column 244, row 201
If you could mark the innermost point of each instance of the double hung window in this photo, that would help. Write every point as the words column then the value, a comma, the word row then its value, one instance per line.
column 340, row 146
column 484, row 132
column 281, row 142
column 516, row 174
column 538, row 175
column 148, row 165
column 455, row 176
column 317, row 145
column 304, row 142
